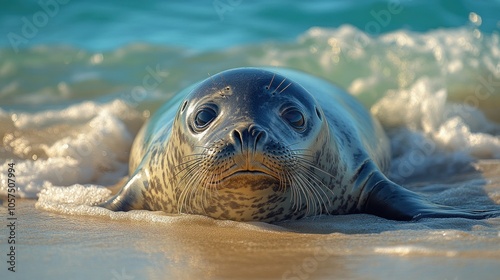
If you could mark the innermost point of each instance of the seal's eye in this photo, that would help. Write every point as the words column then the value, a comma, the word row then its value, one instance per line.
column 294, row 117
column 204, row 117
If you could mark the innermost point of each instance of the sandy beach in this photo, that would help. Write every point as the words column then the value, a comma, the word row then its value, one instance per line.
column 54, row 245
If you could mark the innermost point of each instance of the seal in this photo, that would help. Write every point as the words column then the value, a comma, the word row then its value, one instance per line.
column 267, row 144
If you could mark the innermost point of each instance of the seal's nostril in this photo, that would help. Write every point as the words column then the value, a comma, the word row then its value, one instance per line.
column 238, row 138
column 257, row 134
column 259, row 137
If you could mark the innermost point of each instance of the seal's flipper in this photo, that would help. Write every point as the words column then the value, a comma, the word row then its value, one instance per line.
column 391, row 201
column 131, row 195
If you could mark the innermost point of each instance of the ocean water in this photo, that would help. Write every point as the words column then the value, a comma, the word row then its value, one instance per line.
column 78, row 79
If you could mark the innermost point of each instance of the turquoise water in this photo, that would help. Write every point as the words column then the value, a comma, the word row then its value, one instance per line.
column 57, row 51
column 214, row 25
column 78, row 79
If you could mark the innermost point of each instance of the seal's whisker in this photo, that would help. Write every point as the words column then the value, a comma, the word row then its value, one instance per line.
column 222, row 78
column 300, row 186
column 185, row 190
column 310, row 183
column 189, row 197
column 193, row 155
column 293, row 144
column 215, row 84
column 284, row 182
column 189, row 168
column 299, row 152
column 196, row 158
column 270, row 84
column 191, row 187
column 278, row 86
column 317, row 180
column 318, row 188
column 203, row 193
column 188, row 183
column 197, row 185
column 307, row 191
column 302, row 155
column 188, row 162
column 203, row 196
column 212, row 179
column 298, row 192
column 210, row 183
column 285, row 88
column 298, row 199
column 213, row 190
column 204, row 186
column 311, row 165
column 209, row 188
column 187, row 172
column 205, row 147
column 181, row 166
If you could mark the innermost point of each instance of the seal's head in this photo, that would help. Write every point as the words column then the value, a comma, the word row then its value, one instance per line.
column 254, row 140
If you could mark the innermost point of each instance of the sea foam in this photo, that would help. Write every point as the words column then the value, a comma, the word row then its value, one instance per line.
column 84, row 143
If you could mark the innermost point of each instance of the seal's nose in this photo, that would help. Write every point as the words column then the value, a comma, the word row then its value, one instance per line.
column 249, row 138
column 248, row 144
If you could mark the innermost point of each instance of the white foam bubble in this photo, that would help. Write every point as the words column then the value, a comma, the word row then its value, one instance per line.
column 414, row 251
column 423, row 109
column 102, row 145
column 94, row 150
column 74, row 114
column 82, row 200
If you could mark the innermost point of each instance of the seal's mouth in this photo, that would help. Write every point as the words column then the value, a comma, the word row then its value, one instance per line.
column 250, row 173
